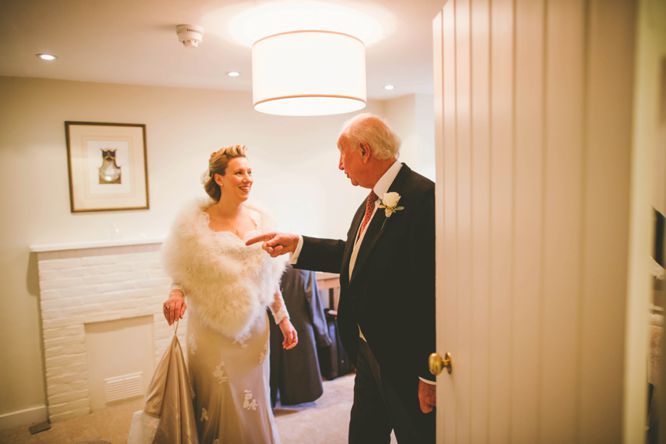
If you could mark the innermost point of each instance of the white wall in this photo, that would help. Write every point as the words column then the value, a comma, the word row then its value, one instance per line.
column 294, row 159
column 412, row 117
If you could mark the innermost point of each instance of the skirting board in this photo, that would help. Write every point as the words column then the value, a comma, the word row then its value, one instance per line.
column 24, row 417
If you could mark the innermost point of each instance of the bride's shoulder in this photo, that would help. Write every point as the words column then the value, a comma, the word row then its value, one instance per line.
column 192, row 212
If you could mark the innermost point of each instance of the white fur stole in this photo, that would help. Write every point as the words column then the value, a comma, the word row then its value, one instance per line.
column 227, row 283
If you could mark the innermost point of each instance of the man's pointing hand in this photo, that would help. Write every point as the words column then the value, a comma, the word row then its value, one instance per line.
column 276, row 244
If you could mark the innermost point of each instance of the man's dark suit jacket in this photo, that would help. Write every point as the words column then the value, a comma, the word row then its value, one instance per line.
column 391, row 293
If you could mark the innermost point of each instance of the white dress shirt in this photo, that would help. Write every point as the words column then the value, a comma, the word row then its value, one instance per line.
column 381, row 187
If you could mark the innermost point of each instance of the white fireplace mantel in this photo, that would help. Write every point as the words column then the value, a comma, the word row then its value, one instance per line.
column 83, row 283
column 43, row 248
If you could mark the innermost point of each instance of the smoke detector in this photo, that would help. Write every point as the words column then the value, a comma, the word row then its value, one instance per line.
column 190, row 35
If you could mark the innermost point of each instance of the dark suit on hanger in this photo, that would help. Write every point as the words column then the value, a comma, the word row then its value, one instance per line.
column 295, row 374
column 391, row 296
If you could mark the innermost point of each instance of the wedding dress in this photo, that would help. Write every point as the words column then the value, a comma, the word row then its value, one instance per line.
column 228, row 287
column 231, row 382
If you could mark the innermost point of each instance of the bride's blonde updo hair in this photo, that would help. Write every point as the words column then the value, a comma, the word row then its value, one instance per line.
column 217, row 164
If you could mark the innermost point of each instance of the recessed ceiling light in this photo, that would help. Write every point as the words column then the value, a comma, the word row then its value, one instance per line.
column 46, row 56
column 233, row 74
column 389, row 87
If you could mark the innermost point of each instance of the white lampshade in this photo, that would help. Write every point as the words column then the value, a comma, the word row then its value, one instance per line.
column 308, row 73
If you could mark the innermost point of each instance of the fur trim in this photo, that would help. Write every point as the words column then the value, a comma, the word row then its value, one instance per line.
column 227, row 283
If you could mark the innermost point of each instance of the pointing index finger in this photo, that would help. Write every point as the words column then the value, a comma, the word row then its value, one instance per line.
column 261, row 238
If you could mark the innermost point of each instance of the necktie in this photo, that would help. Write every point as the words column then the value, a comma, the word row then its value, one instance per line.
column 369, row 209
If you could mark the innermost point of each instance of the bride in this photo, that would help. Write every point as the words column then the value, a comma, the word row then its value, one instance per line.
column 227, row 286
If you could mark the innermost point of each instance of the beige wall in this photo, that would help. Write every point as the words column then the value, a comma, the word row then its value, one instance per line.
column 412, row 117
column 648, row 167
column 651, row 93
column 296, row 177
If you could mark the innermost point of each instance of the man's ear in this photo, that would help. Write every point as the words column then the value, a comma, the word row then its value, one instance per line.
column 366, row 153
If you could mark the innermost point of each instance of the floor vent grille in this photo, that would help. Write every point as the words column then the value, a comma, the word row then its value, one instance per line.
column 123, row 386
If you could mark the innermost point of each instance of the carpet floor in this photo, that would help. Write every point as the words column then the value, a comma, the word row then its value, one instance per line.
column 324, row 421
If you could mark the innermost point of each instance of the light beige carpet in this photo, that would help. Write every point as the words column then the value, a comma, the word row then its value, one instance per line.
column 323, row 421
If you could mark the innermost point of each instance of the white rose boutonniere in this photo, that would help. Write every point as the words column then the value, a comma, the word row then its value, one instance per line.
column 389, row 202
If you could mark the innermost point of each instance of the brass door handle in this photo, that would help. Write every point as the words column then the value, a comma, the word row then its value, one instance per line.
column 437, row 364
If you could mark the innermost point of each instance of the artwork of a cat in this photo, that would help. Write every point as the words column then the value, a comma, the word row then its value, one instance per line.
column 109, row 171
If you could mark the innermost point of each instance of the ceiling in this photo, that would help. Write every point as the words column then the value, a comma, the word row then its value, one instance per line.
column 135, row 42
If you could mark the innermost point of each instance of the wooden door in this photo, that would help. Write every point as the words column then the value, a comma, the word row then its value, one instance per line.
column 533, row 104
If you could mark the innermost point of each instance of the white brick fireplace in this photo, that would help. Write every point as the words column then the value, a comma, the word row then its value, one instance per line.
column 107, row 285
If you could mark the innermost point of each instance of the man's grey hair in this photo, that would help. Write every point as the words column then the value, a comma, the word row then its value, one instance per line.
column 374, row 131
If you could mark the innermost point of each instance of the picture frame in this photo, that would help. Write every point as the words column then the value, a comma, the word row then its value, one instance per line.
column 107, row 165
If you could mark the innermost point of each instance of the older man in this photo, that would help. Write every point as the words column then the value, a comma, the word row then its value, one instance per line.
column 387, row 278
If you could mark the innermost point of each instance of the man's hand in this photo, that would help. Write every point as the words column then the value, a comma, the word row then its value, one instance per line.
column 427, row 396
column 276, row 244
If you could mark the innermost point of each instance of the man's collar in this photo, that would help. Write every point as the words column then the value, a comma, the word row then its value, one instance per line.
column 384, row 183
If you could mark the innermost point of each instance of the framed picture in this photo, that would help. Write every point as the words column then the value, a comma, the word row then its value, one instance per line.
column 107, row 166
